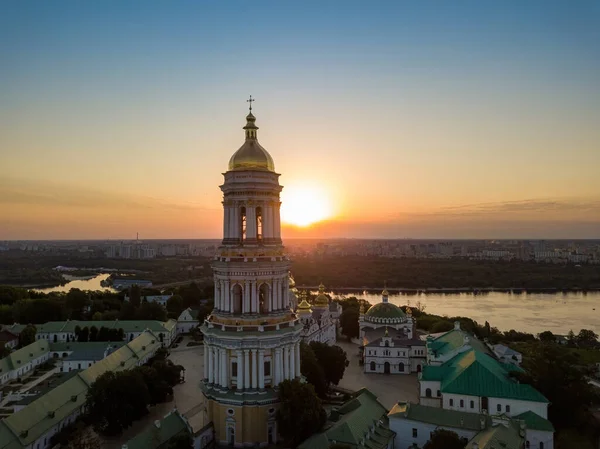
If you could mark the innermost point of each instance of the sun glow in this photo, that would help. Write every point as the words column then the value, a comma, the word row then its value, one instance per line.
column 304, row 205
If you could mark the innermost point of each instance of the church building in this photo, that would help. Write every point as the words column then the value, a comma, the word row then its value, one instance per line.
column 252, row 337
column 318, row 323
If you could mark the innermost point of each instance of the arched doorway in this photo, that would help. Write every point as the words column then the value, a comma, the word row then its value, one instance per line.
column 401, row 367
column 231, row 435
column 386, row 368
column 372, row 366
column 263, row 298
column 419, row 368
column 237, row 298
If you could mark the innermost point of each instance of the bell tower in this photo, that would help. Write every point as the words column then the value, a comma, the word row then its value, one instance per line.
column 252, row 337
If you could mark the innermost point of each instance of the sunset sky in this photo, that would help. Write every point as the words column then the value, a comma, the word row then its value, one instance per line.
column 429, row 119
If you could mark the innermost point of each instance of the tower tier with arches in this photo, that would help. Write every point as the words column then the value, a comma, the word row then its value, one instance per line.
column 252, row 337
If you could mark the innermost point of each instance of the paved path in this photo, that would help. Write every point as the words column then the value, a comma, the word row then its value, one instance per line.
column 389, row 388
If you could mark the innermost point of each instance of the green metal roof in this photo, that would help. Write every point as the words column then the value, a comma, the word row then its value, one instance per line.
column 23, row 356
column 352, row 422
column 535, row 422
column 156, row 437
column 28, row 424
column 506, row 435
column 474, row 373
column 91, row 350
column 453, row 340
column 385, row 310
column 439, row 416
column 127, row 325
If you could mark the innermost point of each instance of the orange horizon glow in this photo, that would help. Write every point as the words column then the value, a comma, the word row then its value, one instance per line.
column 305, row 204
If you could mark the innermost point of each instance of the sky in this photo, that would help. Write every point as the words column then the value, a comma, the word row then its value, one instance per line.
column 429, row 119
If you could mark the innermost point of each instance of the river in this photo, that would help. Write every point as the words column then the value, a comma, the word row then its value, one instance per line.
column 536, row 312
column 82, row 283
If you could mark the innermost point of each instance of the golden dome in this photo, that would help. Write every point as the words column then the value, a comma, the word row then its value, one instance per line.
column 322, row 299
column 304, row 305
column 292, row 282
column 251, row 155
column 385, row 292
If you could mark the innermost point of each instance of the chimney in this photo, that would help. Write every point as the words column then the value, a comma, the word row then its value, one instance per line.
column 457, row 325
column 157, row 424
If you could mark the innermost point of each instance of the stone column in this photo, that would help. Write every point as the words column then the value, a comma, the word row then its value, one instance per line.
column 246, row 369
column 298, row 372
column 224, row 362
column 277, row 366
column 217, row 293
column 261, row 369
column 222, row 301
column 208, row 350
column 277, row 221
column 270, row 297
column 205, row 355
column 240, row 370
column 254, row 291
column 216, row 365
column 227, row 297
column 286, row 362
column 246, row 300
column 250, row 222
column 276, row 294
column 292, row 362
column 254, row 370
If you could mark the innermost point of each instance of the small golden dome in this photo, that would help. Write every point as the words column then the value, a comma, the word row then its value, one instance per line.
column 385, row 293
column 322, row 299
column 251, row 155
column 304, row 305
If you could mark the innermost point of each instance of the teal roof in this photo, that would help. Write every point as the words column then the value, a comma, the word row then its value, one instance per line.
column 92, row 350
column 453, row 340
column 23, row 356
column 385, row 310
column 535, row 422
column 127, row 325
column 155, row 437
column 28, row 424
column 476, row 374
column 352, row 422
column 505, row 435
column 439, row 416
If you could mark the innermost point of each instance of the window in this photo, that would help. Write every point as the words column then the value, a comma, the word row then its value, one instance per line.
column 439, row 393
column 243, row 224
column 472, row 404
column 462, row 403
column 541, row 445
column 428, row 392
column 499, row 407
column 372, row 366
column 451, row 402
column 508, row 409
column 267, row 368
column 414, row 432
column 387, row 344
column 234, row 369
column 259, row 226
column 527, row 444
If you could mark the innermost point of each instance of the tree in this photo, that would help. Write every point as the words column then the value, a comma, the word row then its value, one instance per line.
column 571, row 395
column 547, row 336
column 175, row 306
column 151, row 311
column 312, row 370
column 83, row 438
column 158, row 388
column 587, row 338
column 75, row 302
column 442, row 326
column 84, row 334
column 116, row 399
column 27, row 335
column 333, row 360
column 135, row 295
column 444, row 439
column 93, row 333
column 127, row 311
column 349, row 322
column 301, row 413
column 97, row 316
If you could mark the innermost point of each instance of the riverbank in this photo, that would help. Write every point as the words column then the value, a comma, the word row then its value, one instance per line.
column 442, row 290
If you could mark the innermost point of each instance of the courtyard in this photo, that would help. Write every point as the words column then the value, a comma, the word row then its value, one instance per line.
column 389, row 388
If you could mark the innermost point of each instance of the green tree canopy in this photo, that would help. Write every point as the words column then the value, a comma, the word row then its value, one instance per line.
column 546, row 336
column 312, row 370
column 301, row 413
column 151, row 311
column 444, row 439
column 333, row 360
column 27, row 335
column 349, row 322
column 175, row 305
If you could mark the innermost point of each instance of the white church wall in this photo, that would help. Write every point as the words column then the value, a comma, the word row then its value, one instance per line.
column 415, row 432
column 516, row 407
column 535, row 437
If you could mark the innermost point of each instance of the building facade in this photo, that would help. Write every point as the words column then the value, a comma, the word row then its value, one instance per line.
column 252, row 337
column 317, row 321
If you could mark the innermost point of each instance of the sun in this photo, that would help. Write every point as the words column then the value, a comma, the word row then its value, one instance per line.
column 304, row 205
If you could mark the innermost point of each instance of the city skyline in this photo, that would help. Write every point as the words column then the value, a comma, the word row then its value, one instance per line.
column 407, row 121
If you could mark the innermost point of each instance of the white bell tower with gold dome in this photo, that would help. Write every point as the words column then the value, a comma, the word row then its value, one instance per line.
column 252, row 337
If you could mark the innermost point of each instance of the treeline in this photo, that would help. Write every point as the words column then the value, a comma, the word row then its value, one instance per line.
column 19, row 305
column 373, row 272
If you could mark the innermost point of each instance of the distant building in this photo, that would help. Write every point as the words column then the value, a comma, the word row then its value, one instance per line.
column 508, row 355
column 187, row 320
column 317, row 323
column 22, row 362
column 8, row 339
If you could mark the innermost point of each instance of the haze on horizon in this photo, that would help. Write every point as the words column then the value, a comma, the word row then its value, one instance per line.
column 418, row 120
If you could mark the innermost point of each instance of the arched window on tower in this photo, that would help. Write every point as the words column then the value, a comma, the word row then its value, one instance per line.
column 242, row 224
column 263, row 298
column 259, row 226
column 237, row 298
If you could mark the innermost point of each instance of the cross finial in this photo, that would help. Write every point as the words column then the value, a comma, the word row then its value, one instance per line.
column 250, row 100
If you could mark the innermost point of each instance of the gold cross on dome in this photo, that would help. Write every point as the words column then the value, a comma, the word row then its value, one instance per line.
column 250, row 101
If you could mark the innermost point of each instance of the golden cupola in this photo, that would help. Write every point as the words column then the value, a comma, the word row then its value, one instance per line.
column 322, row 300
column 251, row 155
column 304, row 307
